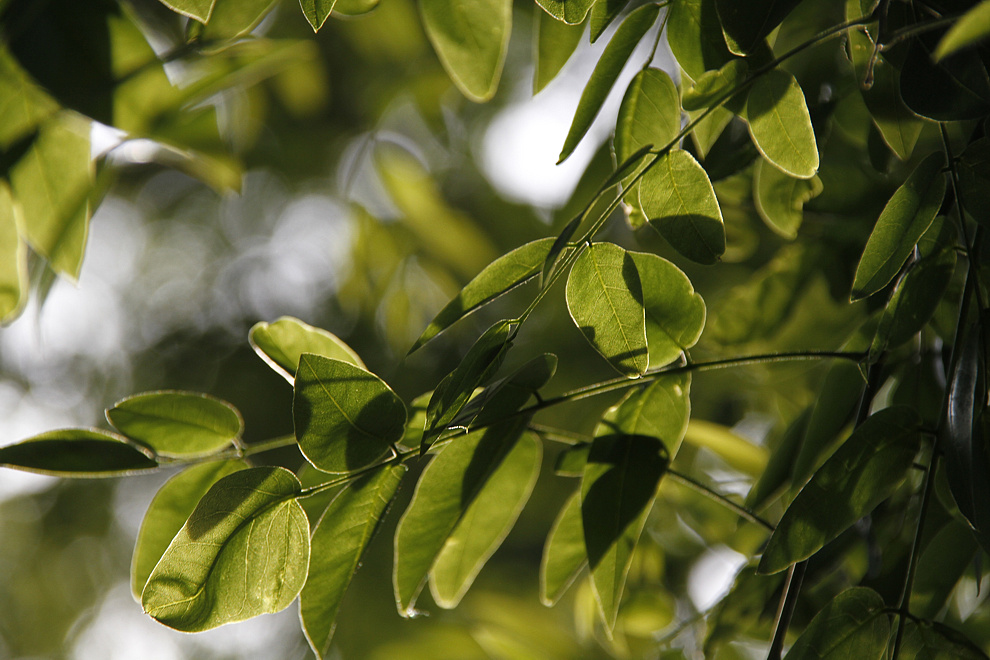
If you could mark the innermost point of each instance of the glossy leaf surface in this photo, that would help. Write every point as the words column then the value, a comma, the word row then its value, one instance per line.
column 780, row 124
column 13, row 260
column 77, row 453
column 852, row 625
column 282, row 342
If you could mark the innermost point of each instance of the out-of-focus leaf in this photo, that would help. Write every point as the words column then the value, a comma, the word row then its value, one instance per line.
column 675, row 313
column 745, row 25
column 603, row 12
column 345, row 417
column 317, row 11
column 283, row 342
column 555, row 43
column 486, row 522
column 942, row 563
column 780, row 199
column 779, row 464
column 24, row 106
column 564, row 554
column 605, row 301
column 13, row 260
column 338, row 542
column 712, row 85
column 930, row 640
column 471, row 39
column 570, row 12
column 680, row 202
column 177, row 423
column 234, row 18
column 650, row 113
column 972, row 28
column 198, row 9
column 77, row 453
column 445, row 490
column 953, row 89
column 780, row 124
column 731, row 447
column 606, row 72
column 853, row 625
column 173, row 504
column 502, row 275
column 695, row 36
column 618, row 487
column 243, row 552
column 354, row 7
column 746, row 609
column 904, row 219
column 660, row 410
column 863, row 472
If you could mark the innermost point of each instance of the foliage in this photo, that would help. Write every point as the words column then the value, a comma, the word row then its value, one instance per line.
column 799, row 140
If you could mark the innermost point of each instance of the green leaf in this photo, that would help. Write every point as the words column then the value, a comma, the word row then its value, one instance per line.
column 173, row 504
column 444, row 492
column 954, row 89
column 618, row 487
column 198, row 9
column 317, row 11
column 605, row 301
column 500, row 276
column 695, row 36
column 606, row 72
column 283, row 342
column 780, row 124
column 780, row 199
column 13, row 260
column 650, row 114
column 738, row 452
column 177, row 423
column 853, row 625
column 471, row 39
column 974, row 180
column 571, row 461
column 570, row 12
column 660, row 410
column 930, row 640
column 746, row 25
column 338, row 543
column 486, row 522
column 345, row 417
column 557, row 249
column 564, row 554
column 235, row 18
column 555, row 43
column 861, row 473
column 972, row 28
column 243, row 552
column 507, row 395
column 24, row 105
column 354, row 7
column 675, row 313
column 603, row 12
column 943, row 562
column 680, row 202
column 78, row 453
column 904, row 219
column 712, row 85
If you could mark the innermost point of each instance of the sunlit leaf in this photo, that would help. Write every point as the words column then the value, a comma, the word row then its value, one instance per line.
column 695, row 36
column 780, row 199
column 570, row 12
column 471, row 39
column 234, row 18
column 904, row 219
column 605, row 301
column 780, row 124
column 345, row 417
column 177, row 423
column 564, row 554
column 243, row 552
column 853, row 625
column 13, row 260
column 486, row 522
column 972, row 28
column 571, row 462
column 680, row 202
column 555, row 43
column 713, row 85
column 173, row 504
column 745, row 25
column 338, row 543
column 198, row 9
column 618, row 487
column 660, row 410
column 738, row 452
column 558, row 249
column 354, row 7
column 650, row 114
column 77, row 453
column 317, row 11
column 606, row 72
column 283, row 342
column 24, row 105
column 507, row 395
column 931, row 640
column 863, row 472
column 603, row 12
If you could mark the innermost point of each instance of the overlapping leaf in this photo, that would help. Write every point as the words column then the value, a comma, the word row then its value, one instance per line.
column 650, row 113
column 660, row 410
column 930, row 640
column 198, row 9
column 282, row 342
column 555, row 43
column 78, row 453
column 695, row 36
column 853, row 625
column 570, row 12
column 780, row 198
column 780, row 124
column 745, row 25
column 713, row 85
column 564, row 554
column 507, row 395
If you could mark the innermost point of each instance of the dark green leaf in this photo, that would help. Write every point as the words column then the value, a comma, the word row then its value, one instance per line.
column 904, row 220
column 571, row 12
column 198, row 9
column 712, row 85
column 25, row 104
column 557, row 249
column 954, row 89
column 930, row 640
column 77, row 453
column 746, row 25
column 852, row 625
column 695, row 36
column 283, row 342
column 345, row 417
column 780, row 464
column 606, row 72
column 317, row 11
column 972, row 28
column 563, row 555
column 555, row 43
column 780, row 199
column 603, row 12
column 942, row 563
column 338, row 543
column 863, row 472
column 571, row 462
column 605, row 301
column 13, row 260
column 780, row 124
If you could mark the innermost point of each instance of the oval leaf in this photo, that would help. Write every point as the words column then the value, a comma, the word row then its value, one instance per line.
column 345, row 417
column 317, row 11
column 571, row 12
column 281, row 344
column 660, row 410
column 713, row 85
column 13, row 259
column 198, row 9
column 243, row 552
column 970, row 29
column 605, row 300
column 780, row 124
column 555, row 43
column 78, row 453
column 177, row 423
column 695, row 36
column 507, row 395
column 780, row 198
column 650, row 114
column 745, row 25
column 853, row 625
column 564, row 554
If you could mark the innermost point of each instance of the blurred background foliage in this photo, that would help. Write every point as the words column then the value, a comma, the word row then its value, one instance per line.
column 342, row 179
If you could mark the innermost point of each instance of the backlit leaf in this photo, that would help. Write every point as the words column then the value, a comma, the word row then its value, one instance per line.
column 853, row 625
column 234, row 18
column 555, row 43
column 745, row 25
column 780, row 124
column 177, row 423
column 283, row 342
column 570, row 12
column 243, row 552
column 660, row 410
column 77, row 453
column 24, row 106
column 780, row 199
column 713, row 85
column 564, row 554
column 345, row 417
column 650, row 114
column 738, row 452
column 695, row 36
column 13, row 260
column 861, row 473
column 971, row 28
column 198, row 9
column 317, row 11
column 507, row 395
column 930, row 640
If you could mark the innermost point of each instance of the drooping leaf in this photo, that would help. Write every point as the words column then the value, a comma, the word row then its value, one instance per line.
column 712, row 85
column 904, row 219
column 780, row 199
column 931, row 640
column 234, row 18
column 555, row 43
column 695, row 36
column 471, row 39
column 338, row 543
column 197, row 9
column 557, row 250
column 283, row 342
column 660, row 410
column 570, row 12
column 605, row 301
column 680, row 203
column 507, row 395
column 564, row 554
column 606, row 72
column 13, row 260
column 444, row 492
column 77, row 453
column 675, row 313
column 853, row 625
column 745, row 25
column 650, row 114
column 856, row 478
column 345, row 417
column 317, row 11
column 177, row 423
column 486, row 522
column 953, row 89
column 173, row 504
column 500, row 276
column 603, row 12
column 243, row 552
column 780, row 124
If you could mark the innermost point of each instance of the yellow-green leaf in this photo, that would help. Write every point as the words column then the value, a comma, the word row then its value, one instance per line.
column 554, row 44
column 853, row 625
column 564, row 554
column 13, row 260
column 780, row 198
column 570, row 12
column 198, row 9
column 972, row 28
column 780, row 124
column 78, row 453
column 283, row 342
